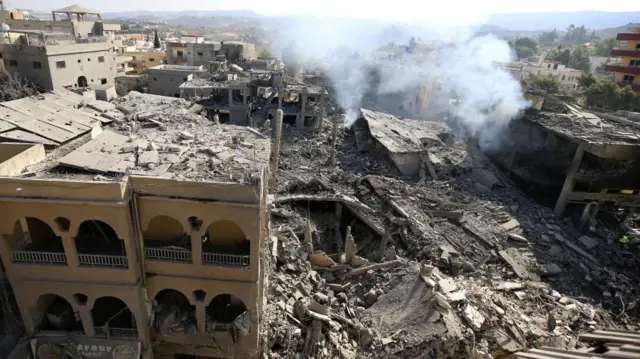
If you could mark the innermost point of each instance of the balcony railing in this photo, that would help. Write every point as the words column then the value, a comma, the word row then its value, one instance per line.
column 226, row 260
column 39, row 257
column 625, row 52
column 628, row 36
column 626, row 69
column 116, row 332
column 170, row 255
column 102, row 260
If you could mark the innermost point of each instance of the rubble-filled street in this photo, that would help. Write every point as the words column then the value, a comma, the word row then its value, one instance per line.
column 368, row 262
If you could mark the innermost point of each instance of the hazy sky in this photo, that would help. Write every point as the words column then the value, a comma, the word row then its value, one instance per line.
column 443, row 11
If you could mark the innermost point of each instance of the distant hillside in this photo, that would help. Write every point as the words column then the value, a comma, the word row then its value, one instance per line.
column 613, row 31
column 561, row 20
column 168, row 15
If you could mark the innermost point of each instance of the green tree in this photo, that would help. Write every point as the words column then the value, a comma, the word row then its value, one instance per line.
column 156, row 40
column 547, row 83
column 525, row 47
column 586, row 80
column 604, row 47
column 265, row 53
column 548, row 39
column 580, row 59
column 576, row 35
column 561, row 54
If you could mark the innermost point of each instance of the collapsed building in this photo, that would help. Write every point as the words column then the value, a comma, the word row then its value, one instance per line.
column 254, row 96
column 589, row 157
column 164, row 211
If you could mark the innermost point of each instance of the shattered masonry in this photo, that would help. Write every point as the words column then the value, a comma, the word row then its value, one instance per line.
column 402, row 241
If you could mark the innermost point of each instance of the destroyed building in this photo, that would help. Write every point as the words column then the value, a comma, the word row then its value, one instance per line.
column 164, row 211
column 590, row 158
column 254, row 96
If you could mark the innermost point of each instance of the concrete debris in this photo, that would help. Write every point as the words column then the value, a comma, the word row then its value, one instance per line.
column 473, row 317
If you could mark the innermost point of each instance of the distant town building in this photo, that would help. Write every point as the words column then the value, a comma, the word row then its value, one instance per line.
column 567, row 76
column 628, row 71
column 76, row 49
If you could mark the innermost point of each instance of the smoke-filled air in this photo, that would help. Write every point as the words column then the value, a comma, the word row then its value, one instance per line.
column 368, row 62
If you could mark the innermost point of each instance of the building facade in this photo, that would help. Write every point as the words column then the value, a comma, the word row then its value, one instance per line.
column 55, row 61
column 79, row 49
column 199, row 52
column 103, row 270
column 627, row 73
column 165, row 80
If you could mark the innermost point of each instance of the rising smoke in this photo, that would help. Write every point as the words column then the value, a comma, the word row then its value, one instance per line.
column 468, row 82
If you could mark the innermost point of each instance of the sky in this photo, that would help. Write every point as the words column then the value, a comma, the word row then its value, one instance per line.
column 460, row 11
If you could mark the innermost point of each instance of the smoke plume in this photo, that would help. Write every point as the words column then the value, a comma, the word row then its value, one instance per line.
column 367, row 59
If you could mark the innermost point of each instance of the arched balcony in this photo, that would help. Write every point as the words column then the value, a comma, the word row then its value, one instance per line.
column 98, row 245
column 165, row 239
column 225, row 244
column 173, row 313
column 113, row 319
column 55, row 313
column 227, row 314
column 34, row 241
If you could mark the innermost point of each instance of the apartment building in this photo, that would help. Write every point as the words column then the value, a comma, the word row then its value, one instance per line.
column 194, row 51
column 138, row 266
column 63, row 38
column 627, row 73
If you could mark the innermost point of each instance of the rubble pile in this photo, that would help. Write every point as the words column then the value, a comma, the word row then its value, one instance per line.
column 369, row 263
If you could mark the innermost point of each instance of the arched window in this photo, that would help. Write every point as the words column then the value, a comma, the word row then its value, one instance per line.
column 165, row 239
column 55, row 313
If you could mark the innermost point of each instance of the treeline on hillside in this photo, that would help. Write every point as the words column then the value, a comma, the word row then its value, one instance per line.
column 592, row 91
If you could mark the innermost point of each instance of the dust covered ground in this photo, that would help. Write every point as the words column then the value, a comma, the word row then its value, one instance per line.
column 366, row 263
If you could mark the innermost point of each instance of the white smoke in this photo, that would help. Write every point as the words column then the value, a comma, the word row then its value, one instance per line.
column 461, row 67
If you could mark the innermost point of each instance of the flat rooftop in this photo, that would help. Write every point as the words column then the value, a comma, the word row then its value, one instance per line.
column 162, row 137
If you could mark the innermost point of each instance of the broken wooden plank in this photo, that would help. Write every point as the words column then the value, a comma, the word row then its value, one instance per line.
column 517, row 263
column 454, row 215
column 603, row 338
column 329, row 198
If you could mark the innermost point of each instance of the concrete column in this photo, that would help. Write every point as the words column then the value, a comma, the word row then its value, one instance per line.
column 196, row 247
column 563, row 199
column 201, row 309
column 230, row 97
column 303, row 102
column 280, row 94
column 244, row 100
column 70, row 251
column 275, row 154
column 87, row 321
column 321, row 113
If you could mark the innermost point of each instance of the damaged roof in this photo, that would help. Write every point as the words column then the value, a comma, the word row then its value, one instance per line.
column 52, row 119
column 163, row 137
column 592, row 128
column 401, row 135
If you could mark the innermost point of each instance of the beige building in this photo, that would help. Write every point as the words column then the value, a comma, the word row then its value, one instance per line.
column 77, row 48
column 142, row 266
column 141, row 60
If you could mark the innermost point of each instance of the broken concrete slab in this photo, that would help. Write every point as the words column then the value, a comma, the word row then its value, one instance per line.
column 588, row 242
column 519, row 265
column 510, row 225
column 473, row 317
